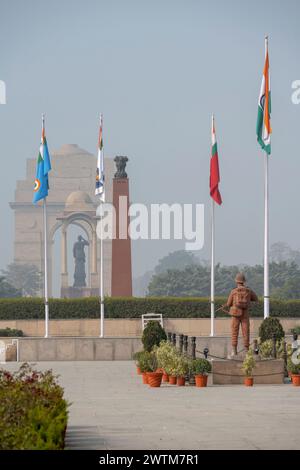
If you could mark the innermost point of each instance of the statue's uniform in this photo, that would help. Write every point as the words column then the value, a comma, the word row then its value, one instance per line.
column 240, row 316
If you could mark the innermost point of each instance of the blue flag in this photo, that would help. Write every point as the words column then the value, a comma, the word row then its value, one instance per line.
column 41, row 184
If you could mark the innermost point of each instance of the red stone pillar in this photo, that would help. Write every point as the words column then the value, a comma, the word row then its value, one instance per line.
column 121, row 274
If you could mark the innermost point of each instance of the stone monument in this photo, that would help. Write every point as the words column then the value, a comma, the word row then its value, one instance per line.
column 79, row 258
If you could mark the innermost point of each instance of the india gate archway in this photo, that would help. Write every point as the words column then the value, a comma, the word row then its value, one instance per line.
column 71, row 201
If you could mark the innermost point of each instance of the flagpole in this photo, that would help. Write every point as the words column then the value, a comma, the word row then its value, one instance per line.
column 46, row 269
column 266, row 225
column 212, row 272
column 266, row 238
column 101, row 287
column 101, row 260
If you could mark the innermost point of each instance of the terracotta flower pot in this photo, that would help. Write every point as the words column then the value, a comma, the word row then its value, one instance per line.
column 165, row 377
column 181, row 381
column 154, row 378
column 201, row 380
column 172, row 379
column 138, row 370
column 145, row 378
column 248, row 381
column 296, row 380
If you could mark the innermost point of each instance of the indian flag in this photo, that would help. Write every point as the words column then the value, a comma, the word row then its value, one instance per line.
column 99, row 190
column 214, row 179
column 263, row 125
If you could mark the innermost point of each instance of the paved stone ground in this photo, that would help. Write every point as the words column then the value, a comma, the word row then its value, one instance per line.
column 112, row 409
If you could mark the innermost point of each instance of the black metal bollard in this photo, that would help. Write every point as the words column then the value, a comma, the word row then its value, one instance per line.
column 185, row 344
column 205, row 352
column 285, row 359
column 274, row 347
column 193, row 354
column 180, row 344
column 174, row 339
column 169, row 336
column 255, row 347
column 193, row 340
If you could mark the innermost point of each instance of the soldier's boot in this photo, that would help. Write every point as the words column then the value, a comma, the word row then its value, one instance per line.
column 233, row 352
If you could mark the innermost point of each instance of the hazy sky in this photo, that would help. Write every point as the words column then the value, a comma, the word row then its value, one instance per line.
column 157, row 70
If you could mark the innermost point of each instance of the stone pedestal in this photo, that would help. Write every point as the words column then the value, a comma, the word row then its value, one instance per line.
column 77, row 292
column 121, row 279
column 228, row 372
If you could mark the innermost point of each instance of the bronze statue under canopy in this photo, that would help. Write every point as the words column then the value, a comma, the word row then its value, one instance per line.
column 79, row 257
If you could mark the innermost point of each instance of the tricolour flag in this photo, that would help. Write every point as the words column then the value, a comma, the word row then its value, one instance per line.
column 100, row 191
column 263, row 124
column 41, row 183
column 214, row 167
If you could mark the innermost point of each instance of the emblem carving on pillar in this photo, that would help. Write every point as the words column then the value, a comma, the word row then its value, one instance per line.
column 120, row 162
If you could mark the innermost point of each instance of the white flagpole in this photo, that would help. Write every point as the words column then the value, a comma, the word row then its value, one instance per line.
column 46, row 257
column 212, row 280
column 266, row 225
column 266, row 239
column 101, row 287
column 101, row 259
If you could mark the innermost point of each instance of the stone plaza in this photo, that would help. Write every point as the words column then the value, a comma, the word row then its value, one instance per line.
column 112, row 409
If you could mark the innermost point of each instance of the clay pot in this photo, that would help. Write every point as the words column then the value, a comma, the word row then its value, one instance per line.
column 248, row 381
column 201, row 380
column 154, row 378
column 172, row 379
column 165, row 377
column 296, row 380
column 138, row 370
column 181, row 381
column 145, row 378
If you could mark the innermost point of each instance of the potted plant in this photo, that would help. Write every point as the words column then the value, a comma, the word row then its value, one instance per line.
column 180, row 369
column 153, row 334
column 144, row 365
column 164, row 353
column 153, row 375
column 247, row 367
column 170, row 365
column 294, row 370
column 136, row 357
column 200, row 368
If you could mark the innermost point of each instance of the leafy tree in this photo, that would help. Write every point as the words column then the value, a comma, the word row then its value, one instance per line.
column 179, row 259
column 6, row 290
column 25, row 278
column 194, row 280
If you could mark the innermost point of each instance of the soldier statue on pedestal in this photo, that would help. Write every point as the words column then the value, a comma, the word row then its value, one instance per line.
column 79, row 257
column 239, row 302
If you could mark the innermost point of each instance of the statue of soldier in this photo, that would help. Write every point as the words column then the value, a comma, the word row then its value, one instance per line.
column 239, row 302
column 79, row 257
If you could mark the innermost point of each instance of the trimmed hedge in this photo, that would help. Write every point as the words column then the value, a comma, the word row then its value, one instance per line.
column 134, row 307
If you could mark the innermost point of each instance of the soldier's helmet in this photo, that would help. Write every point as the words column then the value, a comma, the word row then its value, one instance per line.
column 240, row 278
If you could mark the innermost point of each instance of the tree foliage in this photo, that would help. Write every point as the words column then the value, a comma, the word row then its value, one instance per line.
column 25, row 278
column 194, row 280
column 6, row 290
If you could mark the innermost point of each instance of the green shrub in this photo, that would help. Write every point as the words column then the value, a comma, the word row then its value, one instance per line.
column 148, row 361
column 270, row 328
column 296, row 330
column 133, row 307
column 164, row 353
column 12, row 332
column 153, row 334
column 248, row 364
column 200, row 367
column 33, row 412
column 293, row 368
